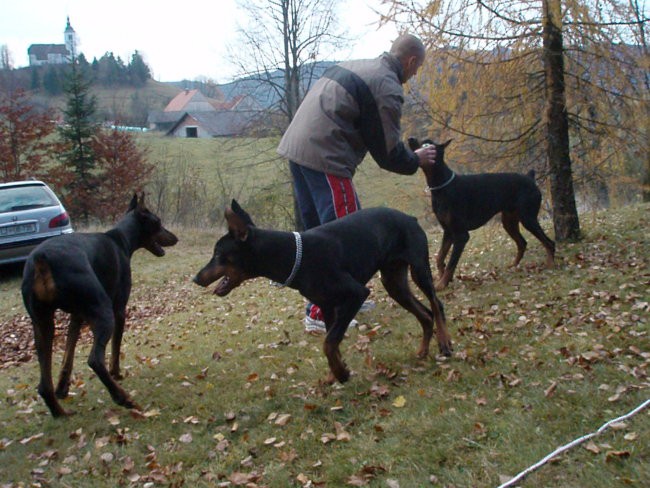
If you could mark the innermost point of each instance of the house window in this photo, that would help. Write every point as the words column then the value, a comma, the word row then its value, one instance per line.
column 191, row 132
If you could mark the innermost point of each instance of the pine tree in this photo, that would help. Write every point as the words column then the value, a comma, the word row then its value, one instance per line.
column 77, row 132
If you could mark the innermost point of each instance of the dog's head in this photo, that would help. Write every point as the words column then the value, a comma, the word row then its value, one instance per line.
column 153, row 236
column 415, row 144
column 230, row 254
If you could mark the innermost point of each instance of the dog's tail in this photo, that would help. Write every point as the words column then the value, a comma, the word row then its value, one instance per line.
column 44, row 286
column 531, row 174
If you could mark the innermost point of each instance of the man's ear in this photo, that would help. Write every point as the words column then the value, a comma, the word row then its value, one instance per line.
column 236, row 225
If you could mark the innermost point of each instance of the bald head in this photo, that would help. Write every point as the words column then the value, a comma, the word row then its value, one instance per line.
column 407, row 45
column 410, row 52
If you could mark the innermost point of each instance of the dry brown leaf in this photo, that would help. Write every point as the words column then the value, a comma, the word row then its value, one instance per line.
column 592, row 447
column 612, row 455
column 341, row 434
column 283, row 419
column 550, row 391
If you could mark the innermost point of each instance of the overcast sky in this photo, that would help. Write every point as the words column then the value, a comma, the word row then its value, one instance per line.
column 178, row 40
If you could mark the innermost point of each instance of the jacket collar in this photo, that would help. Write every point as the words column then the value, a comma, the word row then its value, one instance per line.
column 394, row 65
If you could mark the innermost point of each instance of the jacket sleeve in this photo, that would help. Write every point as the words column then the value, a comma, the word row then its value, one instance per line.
column 389, row 152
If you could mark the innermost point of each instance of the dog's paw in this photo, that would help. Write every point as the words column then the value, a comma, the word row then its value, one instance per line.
column 446, row 349
column 116, row 375
column 63, row 413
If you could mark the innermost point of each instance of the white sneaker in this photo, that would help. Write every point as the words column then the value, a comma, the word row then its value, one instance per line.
column 314, row 325
column 367, row 306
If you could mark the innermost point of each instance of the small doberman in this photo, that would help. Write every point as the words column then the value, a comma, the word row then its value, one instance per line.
column 88, row 275
column 466, row 202
column 330, row 266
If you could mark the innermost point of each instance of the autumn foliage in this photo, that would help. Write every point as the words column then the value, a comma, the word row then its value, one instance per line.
column 25, row 142
column 122, row 168
column 29, row 149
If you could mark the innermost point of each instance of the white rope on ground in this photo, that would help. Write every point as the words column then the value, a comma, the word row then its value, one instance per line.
column 571, row 444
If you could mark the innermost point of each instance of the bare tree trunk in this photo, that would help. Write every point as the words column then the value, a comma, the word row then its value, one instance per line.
column 565, row 214
column 291, row 81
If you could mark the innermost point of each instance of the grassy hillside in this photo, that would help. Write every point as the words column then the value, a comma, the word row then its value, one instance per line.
column 231, row 387
column 124, row 103
column 195, row 178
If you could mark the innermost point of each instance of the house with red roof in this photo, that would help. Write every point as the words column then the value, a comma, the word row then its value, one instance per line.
column 191, row 114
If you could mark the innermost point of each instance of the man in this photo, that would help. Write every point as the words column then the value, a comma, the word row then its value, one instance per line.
column 354, row 108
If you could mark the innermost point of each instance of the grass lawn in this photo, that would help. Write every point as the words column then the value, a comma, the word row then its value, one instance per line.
column 232, row 395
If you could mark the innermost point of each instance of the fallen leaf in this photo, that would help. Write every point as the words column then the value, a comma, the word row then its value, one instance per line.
column 399, row 402
column 611, row 455
column 29, row 439
column 550, row 391
column 107, row 457
column 283, row 419
column 341, row 434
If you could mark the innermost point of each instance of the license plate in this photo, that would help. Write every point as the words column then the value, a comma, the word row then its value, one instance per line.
column 14, row 230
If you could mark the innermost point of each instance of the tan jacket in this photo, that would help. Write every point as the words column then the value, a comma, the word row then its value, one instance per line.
column 355, row 107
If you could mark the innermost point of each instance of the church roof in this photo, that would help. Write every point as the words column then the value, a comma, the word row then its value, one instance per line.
column 42, row 50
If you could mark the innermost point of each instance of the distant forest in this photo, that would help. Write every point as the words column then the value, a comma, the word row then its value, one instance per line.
column 108, row 71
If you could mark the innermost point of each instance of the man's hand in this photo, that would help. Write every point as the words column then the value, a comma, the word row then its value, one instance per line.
column 427, row 155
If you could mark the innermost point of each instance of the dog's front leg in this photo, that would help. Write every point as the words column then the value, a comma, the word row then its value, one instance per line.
column 335, row 333
column 338, row 370
column 337, row 319
column 459, row 241
column 445, row 245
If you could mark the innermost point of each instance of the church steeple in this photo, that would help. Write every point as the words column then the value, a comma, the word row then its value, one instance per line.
column 70, row 40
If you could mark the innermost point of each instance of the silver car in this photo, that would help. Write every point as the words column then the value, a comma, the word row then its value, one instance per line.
column 30, row 213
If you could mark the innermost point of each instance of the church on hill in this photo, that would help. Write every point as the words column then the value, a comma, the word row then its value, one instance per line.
column 42, row 54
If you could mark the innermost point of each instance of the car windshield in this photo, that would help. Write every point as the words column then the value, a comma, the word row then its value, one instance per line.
column 24, row 198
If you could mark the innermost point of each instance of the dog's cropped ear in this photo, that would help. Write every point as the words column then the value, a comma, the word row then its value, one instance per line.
column 414, row 144
column 241, row 212
column 236, row 226
column 445, row 144
column 238, row 221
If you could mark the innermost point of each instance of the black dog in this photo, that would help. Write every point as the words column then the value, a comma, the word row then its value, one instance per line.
column 88, row 276
column 466, row 202
column 330, row 265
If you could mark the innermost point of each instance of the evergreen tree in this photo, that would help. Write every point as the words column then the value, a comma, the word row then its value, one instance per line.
column 35, row 82
column 78, row 132
column 51, row 81
column 138, row 71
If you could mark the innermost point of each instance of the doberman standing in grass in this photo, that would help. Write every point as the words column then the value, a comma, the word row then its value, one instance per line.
column 466, row 202
column 330, row 266
column 88, row 275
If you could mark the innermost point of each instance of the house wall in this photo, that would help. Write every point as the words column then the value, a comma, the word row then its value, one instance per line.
column 190, row 122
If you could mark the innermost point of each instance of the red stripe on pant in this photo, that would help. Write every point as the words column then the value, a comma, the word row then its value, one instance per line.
column 344, row 199
column 343, row 195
